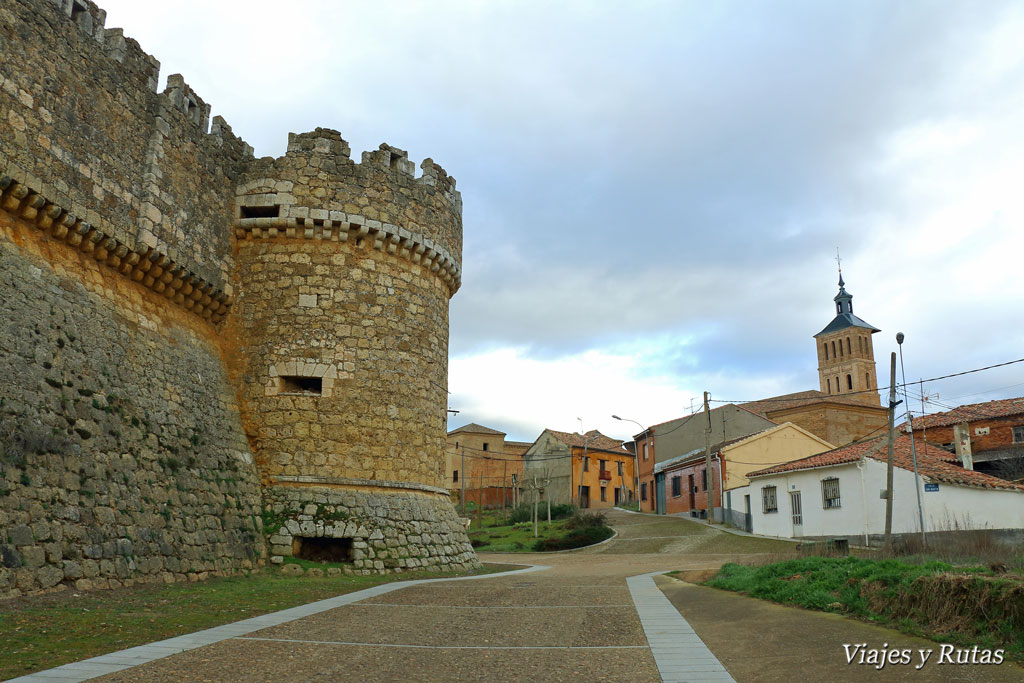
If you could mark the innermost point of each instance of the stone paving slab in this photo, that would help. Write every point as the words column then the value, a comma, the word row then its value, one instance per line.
column 287, row 661
column 551, row 592
column 480, row 626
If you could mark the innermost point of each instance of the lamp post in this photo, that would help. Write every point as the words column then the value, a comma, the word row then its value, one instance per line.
column 636, row 459
column 913, row 449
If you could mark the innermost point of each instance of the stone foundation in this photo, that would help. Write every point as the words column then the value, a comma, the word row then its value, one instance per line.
column 391, row 529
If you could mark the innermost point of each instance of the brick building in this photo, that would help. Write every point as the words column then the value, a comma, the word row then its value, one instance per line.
column 481, row 462
column 987, row 437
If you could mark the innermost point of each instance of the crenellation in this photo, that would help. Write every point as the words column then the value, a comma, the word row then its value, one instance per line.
column 185, row 99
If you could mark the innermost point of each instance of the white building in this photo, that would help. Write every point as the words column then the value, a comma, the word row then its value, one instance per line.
column 838, row 494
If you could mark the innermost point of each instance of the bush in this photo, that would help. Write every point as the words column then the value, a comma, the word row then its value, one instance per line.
column 524, row 513
column 582, row 519
column 577, row 538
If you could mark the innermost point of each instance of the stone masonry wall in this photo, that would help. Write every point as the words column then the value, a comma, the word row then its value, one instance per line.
column 389, row 530
column 122, row 456
column 374, row 331
column 87, row 136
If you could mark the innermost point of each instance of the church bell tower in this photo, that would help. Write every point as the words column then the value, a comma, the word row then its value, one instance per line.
column 846, row 357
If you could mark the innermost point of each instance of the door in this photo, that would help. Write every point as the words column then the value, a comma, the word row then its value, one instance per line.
column 749, row 521
column 659, row 487
column 616, row 495
column 584, row 496
column 798, row 513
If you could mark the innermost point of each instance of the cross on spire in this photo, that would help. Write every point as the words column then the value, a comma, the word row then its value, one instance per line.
column 839, row 263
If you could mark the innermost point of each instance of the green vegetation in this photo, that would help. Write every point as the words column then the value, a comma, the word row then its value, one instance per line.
column 50, row 630
column 966, row 606
column 575, row 531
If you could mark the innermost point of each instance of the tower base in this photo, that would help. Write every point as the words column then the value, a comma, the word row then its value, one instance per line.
column 376, row 527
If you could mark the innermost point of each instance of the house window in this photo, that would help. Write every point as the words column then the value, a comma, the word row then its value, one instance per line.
column 769, row 503
column 620, row 468
column 677, row 487
column 830, row 493
column 643, row 491
column 1018, row 434
column 604, row 493
column 704, row 478
column 485, row 445
column 645, row 450
column 604, row 465
column 455, row 475
column 586, row 464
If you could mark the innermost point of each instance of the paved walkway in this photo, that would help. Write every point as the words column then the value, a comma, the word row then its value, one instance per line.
column 595, row 614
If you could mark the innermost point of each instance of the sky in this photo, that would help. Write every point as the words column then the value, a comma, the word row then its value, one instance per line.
column 654, row 192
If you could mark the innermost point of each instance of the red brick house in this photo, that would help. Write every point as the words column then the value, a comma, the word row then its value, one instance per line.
column 987, row 437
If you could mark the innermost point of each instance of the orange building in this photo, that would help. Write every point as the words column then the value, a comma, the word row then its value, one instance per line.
column 588, row 470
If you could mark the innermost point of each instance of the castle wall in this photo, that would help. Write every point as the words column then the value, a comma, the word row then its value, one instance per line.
column 122, row 456
column 92, row 144
column 141, row 410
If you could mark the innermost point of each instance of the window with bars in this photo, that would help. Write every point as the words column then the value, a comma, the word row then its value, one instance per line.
column 643, row 491
column 830, row 493
column 677, row 486
column 1018, row 434
column 769, row 501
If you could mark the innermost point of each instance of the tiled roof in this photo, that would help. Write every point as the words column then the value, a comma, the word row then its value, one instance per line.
column 474, row 428
column 775, row 404
column 592, row 439
column 932, row 462
column 1007, row 407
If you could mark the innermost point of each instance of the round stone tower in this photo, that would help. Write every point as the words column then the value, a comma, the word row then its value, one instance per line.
column 343, row 277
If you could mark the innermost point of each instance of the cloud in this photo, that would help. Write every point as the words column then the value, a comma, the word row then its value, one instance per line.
column 654, row 191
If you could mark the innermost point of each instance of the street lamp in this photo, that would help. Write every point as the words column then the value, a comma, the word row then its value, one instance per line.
column 913, row 449
column 636, row 459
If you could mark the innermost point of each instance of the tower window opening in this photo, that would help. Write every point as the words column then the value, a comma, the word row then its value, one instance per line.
column 833, row 349
column 828, row 383
column 309, row 386
column 867, row 380
column 322, row 549
column 826, row 350
column 849, row 382
column 849, row 348
column 840, row 347
column 261, row 211
column 839, row 387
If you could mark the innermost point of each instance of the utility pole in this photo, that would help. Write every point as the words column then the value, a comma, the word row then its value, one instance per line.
column 892, row 443
column 709, row 482
column 913, row 448
column 463, row 496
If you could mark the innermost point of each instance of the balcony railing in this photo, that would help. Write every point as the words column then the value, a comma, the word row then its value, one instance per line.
column 605, row 475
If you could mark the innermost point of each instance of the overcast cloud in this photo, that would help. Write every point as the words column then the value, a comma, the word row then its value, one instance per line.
column 654, row 191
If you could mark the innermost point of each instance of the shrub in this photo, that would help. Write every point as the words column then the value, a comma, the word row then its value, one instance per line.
column 577, row 538
column 582, row 519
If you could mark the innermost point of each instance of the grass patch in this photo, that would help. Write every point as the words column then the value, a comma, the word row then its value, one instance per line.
column 960, row 605
column 579, row 530
column 45, row 631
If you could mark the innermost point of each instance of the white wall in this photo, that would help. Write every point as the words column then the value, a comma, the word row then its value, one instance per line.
column 863, row 511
